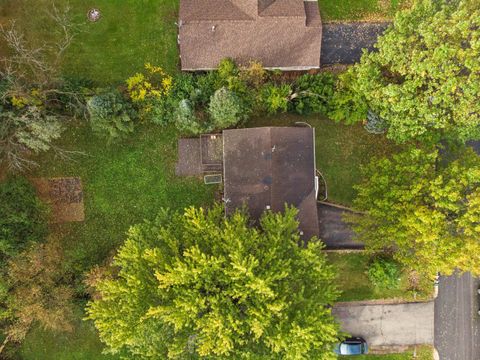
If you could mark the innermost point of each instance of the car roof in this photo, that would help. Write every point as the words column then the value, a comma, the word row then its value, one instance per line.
column 351, row 348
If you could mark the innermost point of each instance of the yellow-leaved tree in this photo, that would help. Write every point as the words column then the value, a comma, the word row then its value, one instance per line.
column 423, row 209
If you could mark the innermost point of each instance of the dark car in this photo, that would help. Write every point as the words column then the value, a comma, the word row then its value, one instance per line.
column 478, row 291
column 352, row 346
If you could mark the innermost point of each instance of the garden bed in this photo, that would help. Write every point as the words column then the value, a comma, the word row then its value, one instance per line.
column 355, row 285
column 64, row 196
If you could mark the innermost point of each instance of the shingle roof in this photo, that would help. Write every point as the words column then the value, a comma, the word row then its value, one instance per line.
column 281, row 8
column 271, row 166
column 198, row 10
column 278, row 33
column 313, row 15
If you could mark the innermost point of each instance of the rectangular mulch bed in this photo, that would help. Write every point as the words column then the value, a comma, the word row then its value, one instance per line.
column 65, row 197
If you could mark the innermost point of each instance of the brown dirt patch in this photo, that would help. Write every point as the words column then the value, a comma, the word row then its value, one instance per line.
column 64, row 195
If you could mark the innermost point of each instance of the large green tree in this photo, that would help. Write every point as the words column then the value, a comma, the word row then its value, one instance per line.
column 199, row 285
column 424, row 210
column 424, row 80
column 23, row 217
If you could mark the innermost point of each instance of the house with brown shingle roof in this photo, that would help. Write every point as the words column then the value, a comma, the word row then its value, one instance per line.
column 281, row 34
column 265, row 168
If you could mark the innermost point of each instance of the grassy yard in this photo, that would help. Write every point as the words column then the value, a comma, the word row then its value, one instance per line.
column 129, row 34
column 355, row 285
column 340, row 151
column 370, row 10
column 132, row 32
column 123, row 184
column 82, row 344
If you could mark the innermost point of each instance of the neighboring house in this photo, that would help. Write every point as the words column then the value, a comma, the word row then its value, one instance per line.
column 265, row 168
column 281, row 34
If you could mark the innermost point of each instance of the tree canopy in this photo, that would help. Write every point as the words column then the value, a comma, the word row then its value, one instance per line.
column 424, row 80
column 23, row 217
column 425, row 212
column 199, row 285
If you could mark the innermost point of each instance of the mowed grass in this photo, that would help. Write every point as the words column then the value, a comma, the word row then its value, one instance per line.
column 129, row 34
column 341, row 150
column 421, row 353
column 83, row 344
column 370, row 10
column 123, row 184
column 354, row 284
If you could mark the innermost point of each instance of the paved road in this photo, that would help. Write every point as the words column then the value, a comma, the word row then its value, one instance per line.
column 334, row 232
column 342, row 43
column 388, row 325
column 457, row 325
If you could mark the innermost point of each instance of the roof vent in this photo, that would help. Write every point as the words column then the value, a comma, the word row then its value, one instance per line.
column 214, row 27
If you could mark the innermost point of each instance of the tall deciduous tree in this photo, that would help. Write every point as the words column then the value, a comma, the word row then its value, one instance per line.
column 38, row 292
column 199, row 285
column 23, row 217
column 426, row 213
column 424, row 81
column 34, row 97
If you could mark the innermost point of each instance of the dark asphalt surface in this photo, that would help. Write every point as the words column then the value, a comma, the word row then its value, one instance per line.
column 334, row 232
column 342, row 43
column 457, row 324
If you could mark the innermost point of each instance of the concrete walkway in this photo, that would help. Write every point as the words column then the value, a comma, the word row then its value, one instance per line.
column 342, row 43
column 388, row 325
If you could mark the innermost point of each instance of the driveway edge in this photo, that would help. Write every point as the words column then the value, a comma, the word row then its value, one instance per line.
column 380, row 302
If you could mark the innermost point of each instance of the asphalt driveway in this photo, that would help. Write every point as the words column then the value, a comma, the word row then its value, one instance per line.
column 334, row 232
column 388, row 325
column 457, row 324
column 342, row 43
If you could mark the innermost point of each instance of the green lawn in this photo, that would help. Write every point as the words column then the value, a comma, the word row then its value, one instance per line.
column 353, row 281
column 82, row 344
column 133, row 32
column 129, row 34
column 123, row 184
column 371, row 10
column 340, row 151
